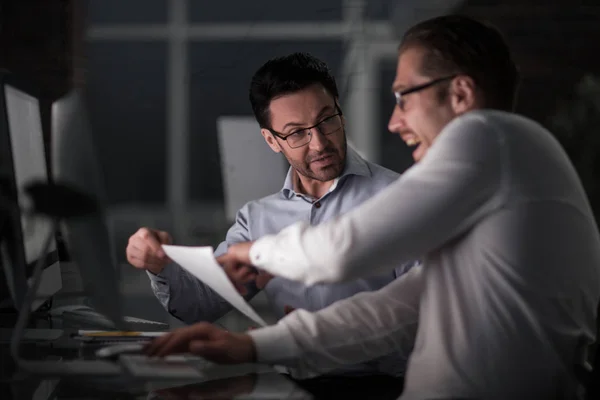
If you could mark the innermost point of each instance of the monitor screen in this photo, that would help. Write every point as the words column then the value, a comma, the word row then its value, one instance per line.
column 26, row 236
column 29, row 163
column 75, row 164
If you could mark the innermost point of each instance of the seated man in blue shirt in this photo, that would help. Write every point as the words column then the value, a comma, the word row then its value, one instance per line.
column 295, row 101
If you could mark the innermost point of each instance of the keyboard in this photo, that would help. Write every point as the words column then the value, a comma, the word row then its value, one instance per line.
column 144, row 321
column 86, row 317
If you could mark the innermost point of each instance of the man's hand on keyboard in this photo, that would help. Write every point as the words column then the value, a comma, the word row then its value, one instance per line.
column 205, row 340
column 144, row 249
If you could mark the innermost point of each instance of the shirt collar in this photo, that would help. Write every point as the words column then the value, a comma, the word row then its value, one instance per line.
column 355, row 165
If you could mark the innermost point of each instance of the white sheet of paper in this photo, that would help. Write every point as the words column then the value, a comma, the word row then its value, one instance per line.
column 201, row 262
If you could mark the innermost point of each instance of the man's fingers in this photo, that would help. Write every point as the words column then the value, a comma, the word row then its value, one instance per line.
column 240, row 273
column 151, row 348
column 211, row 350
column 197, row 347
column 151, row 239
column 225, row 259
column 139, row 263
column 262, row 279
column 145, row 255
column 164, row 237
column 161, row 345
column 244, row 274
column 178, row 340
column 175, row 344
column 225, row 348
column 147, row 241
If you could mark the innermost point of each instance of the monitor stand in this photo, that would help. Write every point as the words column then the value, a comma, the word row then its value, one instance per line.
column 50, row 367
column 32, row 334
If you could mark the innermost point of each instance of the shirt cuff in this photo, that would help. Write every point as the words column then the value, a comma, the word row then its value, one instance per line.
column 260, row 250
column 168, row 272
column 274, row 344
column 156, row 278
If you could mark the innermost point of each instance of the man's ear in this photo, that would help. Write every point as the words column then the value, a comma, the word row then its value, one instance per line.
column 463, row 94
column 270, row 139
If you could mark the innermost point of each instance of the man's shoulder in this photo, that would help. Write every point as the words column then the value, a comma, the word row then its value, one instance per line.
column 494, row 122
column 262, row 203
column 473, row 134
column 381, row 174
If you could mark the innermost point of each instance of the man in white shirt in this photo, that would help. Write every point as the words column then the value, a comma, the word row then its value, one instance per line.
column 504, row 305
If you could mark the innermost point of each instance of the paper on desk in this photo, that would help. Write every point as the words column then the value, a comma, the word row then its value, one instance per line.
column 201, row 262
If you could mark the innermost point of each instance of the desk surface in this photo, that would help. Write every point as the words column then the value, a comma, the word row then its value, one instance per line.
column 246, row 381
column 247, row 386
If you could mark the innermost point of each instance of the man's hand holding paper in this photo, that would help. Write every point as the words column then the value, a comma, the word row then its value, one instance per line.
column 200, row 262
column 237, row 266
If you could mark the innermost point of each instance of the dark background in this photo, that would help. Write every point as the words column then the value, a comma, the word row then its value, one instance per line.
column 555, row 44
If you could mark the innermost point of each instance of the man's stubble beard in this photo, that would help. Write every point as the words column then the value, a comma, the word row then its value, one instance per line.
column 325, row 176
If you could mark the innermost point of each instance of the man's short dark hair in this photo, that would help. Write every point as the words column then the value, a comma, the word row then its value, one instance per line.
column 285, row 75
column 456, row 44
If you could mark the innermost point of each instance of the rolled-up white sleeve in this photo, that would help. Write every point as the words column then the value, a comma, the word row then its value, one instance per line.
column 435, row 200
column 357, row 329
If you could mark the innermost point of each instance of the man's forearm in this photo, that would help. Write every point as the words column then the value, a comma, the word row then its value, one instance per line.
column 361, row 328
column 187, row 298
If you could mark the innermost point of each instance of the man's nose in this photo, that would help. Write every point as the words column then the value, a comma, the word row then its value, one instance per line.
column 318, row 141
column 396, row 122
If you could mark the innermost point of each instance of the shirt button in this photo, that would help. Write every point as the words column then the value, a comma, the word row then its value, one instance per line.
column 318, row 204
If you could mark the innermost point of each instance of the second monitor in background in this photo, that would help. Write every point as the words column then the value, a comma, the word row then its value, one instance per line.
column 74, row 163
column 250, row 169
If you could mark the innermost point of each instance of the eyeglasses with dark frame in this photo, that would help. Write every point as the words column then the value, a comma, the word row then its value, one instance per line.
column 400, row 94
column 327, row 126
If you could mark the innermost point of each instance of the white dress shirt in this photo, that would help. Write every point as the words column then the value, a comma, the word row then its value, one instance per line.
column 508, row 292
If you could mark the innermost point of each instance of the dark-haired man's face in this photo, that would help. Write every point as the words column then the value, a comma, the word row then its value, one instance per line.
column 424, row 113
column 323, row 158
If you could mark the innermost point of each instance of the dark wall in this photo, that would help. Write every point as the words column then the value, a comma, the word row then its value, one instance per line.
column 38, row 42
column 127, row 88
column 219, row 86
column 555, row 43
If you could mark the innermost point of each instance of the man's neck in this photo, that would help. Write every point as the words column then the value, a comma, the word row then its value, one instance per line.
column 310, row 187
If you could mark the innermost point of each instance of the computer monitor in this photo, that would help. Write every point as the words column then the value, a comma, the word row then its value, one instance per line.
column 250, row 169
column 75, row 164
column 22, row 160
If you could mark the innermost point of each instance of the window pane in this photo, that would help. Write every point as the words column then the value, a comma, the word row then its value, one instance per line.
column 127, row 94
column 394, row 154
column 265, row 10
column 127, row 11
column 380, row 9
column 219, row 82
